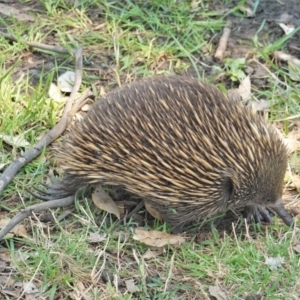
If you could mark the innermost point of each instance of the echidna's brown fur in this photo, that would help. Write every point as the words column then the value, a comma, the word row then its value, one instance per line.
column 182, row 145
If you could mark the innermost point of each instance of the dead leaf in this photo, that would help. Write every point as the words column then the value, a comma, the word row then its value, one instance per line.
column 195, row 3
column 245, row 88
column 295, row 178
column 153, row 212
column 31, row 292
column 6, row 281
column 55, row 94
column 22, row 256
column 16, row 141
column 292, row 141
column 152, row 253
column 66, row 81
column 249, row 12
column 294, row 69
column 217, row 292
column 5, row 255
column 96, row 237
column 274, row 262
column 282, row 55
column 292, row 144
column 79, row 290
column 8, row 10
column 105, row 202
column 85, row 107
column 131, row 287
column 234, row 94
column 261, row 105
column 100, row 26
column 2, row 166
column 286, row 28
column 18, row 230
column 297, row 248
column 30, row 288
column 293, row 64
column 157, row 238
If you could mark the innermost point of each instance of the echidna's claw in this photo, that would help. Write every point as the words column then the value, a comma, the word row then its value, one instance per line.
column 257, row 214
column 51, row 192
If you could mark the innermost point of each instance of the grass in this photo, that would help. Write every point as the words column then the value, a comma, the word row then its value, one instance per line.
column 137, row 39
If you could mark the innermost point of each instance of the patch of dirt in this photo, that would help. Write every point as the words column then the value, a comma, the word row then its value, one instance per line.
column 269, row 11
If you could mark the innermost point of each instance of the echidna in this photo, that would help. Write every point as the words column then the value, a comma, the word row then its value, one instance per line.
column 180, row 144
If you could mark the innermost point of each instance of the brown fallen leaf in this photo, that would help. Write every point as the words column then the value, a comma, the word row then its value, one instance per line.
column 85, row 107
column 287, row 28
column 294, row 69
column 5, row 255
column 297, row 248
column 274, row 263
column 66, row 81
column 294, row 181
column 217, row 292
column 18, row 230
column 234, row 95
column 30, row 288
column 293, row 140
column 245, row 88
column 152, row 253
column 131, row 287
column 157, row 238
column 105, row 202
column 292, row 144
column 293, row 64
column 8, row 10
column 248, row 11
column 96, row 237
column 16, row 141
column 261, row 105
column 153, row 212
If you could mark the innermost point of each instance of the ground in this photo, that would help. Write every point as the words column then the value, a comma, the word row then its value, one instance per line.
column 70, row 253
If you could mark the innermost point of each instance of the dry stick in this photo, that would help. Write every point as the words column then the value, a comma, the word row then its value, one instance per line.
column 223, row 42
column 53, row 134
column 273, row 76
column 26, row 212
column 56, row 49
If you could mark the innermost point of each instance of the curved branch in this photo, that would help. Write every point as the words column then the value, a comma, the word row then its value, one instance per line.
column 26, row 212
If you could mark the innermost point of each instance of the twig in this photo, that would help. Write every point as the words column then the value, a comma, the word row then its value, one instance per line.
column 56, row 49
column 273, row 76
column 53, row 134
column 223, row 42
column 82, row 100
column 26, row 212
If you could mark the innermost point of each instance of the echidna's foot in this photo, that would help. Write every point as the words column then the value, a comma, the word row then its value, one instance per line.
column 51, row 192
column 260, row 214
column 257, row 213
column 283, row 214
